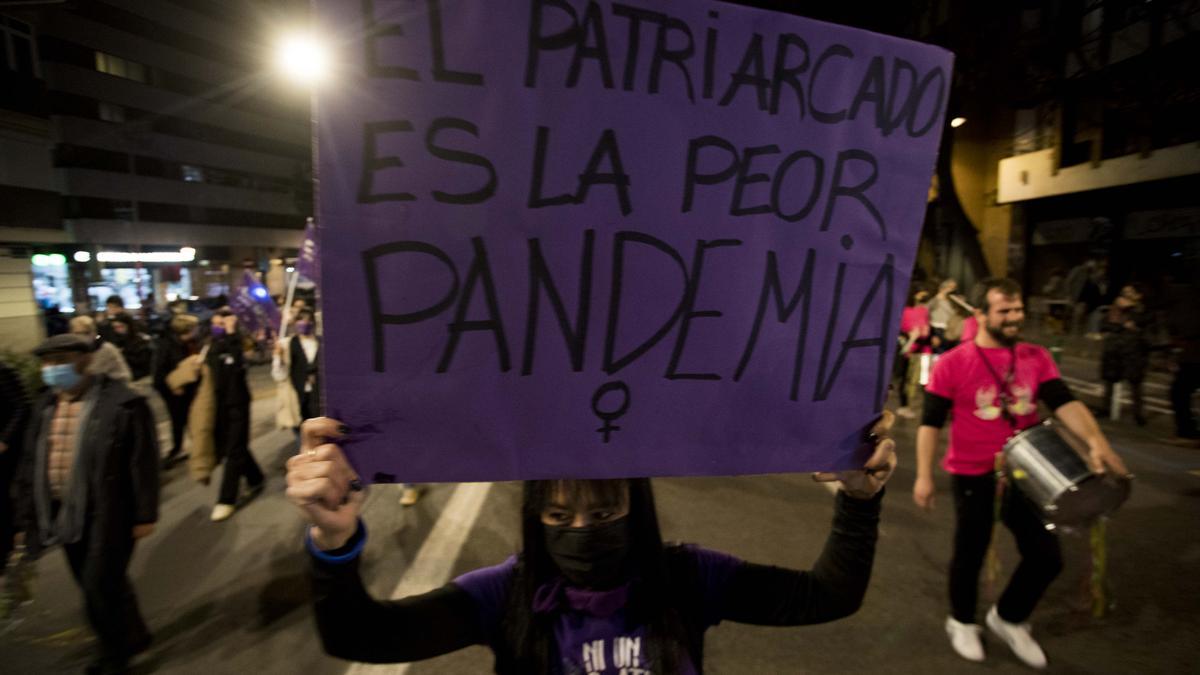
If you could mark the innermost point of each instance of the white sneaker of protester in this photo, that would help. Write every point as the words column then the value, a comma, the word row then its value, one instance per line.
column 1018, row 638
column 221, row 512
column 964, row 637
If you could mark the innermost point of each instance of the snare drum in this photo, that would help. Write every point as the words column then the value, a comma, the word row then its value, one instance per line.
column 1046, row 463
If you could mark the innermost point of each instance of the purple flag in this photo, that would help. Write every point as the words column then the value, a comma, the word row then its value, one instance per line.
column 549, row 252
column 306, row 259
column 253, row 305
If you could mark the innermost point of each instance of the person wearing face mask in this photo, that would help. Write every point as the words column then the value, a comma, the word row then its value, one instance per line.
column 89, row 481
column 593, row 573
column 294, row 365
column 989, row 389
column 218, row 423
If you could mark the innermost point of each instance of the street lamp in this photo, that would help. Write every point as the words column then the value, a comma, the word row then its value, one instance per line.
column 302, row 58
column 957, row 122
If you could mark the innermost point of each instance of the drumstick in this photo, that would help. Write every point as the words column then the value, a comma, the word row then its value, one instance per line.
column 962, row 303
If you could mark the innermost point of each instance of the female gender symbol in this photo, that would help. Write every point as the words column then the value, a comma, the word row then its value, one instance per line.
column 607, row 416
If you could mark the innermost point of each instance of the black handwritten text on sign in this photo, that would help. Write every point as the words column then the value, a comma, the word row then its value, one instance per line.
column 566, row 238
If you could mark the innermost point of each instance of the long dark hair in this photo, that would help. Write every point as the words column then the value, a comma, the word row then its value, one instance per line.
column 658, row 599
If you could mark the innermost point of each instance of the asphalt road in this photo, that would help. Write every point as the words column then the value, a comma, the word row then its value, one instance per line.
column 233, row 597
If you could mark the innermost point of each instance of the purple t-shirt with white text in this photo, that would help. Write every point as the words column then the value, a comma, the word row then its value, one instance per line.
column 593, row 635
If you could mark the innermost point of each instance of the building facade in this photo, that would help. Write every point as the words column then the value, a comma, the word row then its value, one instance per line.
column 148, row 147
column 1085, row 148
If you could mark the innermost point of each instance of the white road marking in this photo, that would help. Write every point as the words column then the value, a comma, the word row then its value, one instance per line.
column 431, row 567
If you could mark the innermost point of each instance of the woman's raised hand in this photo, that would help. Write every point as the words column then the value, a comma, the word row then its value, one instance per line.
column 323, row 484
column 864, row 483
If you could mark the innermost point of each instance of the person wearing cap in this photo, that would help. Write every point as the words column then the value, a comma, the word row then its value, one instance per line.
column 88, row 480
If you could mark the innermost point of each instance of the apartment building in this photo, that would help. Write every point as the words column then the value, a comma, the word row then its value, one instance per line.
column 146, row 148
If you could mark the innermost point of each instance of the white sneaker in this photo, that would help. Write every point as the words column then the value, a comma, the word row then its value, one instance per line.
column 906, row 412
column 221, row 512
column 964, row 637
column 1018, row 638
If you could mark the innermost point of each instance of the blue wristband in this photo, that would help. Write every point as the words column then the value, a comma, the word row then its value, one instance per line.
column 357, row 541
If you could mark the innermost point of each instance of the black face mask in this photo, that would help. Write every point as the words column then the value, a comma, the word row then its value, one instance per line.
column 593, row 557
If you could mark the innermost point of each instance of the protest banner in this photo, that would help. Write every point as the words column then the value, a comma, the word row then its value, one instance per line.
column 306, row 267
column 602, row 239
column 255, row 309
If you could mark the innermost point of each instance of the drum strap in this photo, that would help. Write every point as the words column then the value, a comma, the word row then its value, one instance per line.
column 1004, row 384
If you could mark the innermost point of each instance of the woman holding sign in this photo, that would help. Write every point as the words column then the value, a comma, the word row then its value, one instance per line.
column 594, row 590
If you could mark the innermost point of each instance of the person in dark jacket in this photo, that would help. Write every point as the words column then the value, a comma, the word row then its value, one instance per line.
column 594, row 589
column 231, row 430
column 14, row 412
column 89, row 481
column 1126, row 351
column 176, row 343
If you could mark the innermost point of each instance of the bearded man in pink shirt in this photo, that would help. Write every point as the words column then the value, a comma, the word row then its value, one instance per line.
column 990, row 388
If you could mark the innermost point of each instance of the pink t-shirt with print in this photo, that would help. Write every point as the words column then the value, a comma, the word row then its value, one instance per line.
column 916, row 318
column 978, row 429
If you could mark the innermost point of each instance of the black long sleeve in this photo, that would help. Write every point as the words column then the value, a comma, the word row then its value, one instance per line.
column 834, row 588
column 25, row 515
column 356, row 627
column 16, row 405
column 142, row 437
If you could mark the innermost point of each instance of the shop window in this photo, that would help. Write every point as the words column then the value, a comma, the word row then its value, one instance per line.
column 119, row 67
column 17, row 47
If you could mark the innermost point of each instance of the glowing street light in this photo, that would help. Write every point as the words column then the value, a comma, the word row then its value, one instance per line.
column 957, row 122
column 302, row 58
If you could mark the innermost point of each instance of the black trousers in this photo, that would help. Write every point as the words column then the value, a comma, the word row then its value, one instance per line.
column 1041, row 556
column 1135, row 390
column 1187, row 380
column 177, row 408
column 233, row 434
column 99, row 566
column 310, row 404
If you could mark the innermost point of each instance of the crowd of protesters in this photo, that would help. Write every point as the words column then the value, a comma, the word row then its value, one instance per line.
column 80, row 456
column 79, row 447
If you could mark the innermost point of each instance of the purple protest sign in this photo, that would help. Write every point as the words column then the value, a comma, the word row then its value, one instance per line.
column 569, row 239
column 253, row 305
column 306, row 258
